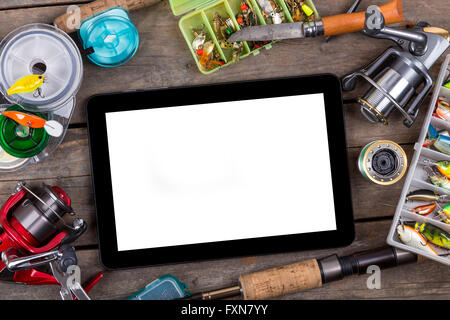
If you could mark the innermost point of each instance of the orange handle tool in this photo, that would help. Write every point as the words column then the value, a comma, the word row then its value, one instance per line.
column 352, row 22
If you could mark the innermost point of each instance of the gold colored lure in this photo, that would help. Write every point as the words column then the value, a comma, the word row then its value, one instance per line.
column 26, row 84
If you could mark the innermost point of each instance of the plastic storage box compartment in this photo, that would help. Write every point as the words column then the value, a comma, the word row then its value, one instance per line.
column 203, row 13
column 417, row 178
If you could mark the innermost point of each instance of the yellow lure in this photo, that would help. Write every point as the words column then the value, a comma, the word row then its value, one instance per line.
column 307, row 10
column 26, row 84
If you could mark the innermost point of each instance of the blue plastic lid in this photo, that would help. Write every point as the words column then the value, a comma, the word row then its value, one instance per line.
column 109, row 38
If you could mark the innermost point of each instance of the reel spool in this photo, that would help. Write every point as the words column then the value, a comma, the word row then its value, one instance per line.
column 20, row 141
column 41, row 49
column 109, row 38
column 382, row 162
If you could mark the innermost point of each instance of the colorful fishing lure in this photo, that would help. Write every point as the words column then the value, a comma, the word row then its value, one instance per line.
column 411, row 237
column 424, row 210
column 443, row 167
column 442, row 109
column 439, row 141
column 444, row 214
column 52, row 127
column 432, row 234
column 26, row 84
column 437, row 178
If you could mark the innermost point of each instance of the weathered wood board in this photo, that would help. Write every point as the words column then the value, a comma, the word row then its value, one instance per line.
column 163, row 60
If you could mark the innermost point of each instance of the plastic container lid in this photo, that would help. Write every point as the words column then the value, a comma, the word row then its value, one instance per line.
column 21, row 141
column 109, row 38
column 166, row 287
column 40, row 48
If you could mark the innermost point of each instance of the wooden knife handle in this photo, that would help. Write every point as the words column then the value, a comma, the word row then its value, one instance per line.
column 275, row 282
column 352, row 22
column 66, row 21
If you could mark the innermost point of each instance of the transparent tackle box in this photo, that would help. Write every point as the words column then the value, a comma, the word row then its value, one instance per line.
column 418, row 178
column 203, row 13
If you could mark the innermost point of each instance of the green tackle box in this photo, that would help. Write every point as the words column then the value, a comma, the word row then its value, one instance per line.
column 202, row 12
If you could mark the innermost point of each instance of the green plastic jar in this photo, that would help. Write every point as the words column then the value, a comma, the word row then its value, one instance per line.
column 21, row 141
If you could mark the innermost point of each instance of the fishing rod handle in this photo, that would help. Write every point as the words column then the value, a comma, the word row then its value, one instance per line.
column 309, row 274
column 65, row 22
column 278, row 281
column 352, row 22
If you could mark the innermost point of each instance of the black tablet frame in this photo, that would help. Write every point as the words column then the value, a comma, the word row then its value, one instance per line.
column 327, row 84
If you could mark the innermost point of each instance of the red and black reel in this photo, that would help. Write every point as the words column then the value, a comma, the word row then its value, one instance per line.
column 32, row 223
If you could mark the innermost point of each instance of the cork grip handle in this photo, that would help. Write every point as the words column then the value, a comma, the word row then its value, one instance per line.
column 282, row 280
column 64, row 22
column 352, row 22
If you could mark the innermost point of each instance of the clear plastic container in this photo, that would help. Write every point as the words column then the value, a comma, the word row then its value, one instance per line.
column 418, row 178
column 203, row 13
column 39, row 49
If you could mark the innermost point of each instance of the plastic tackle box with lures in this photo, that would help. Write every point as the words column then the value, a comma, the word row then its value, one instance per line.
column 202, row 17
column 421, row 222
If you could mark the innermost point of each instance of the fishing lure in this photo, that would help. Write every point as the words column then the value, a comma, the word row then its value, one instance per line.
column 424, row 210
column 269, row 8
column 442, row 109
column 247, row 18
column 26, row 84
column 442, row 166
column 447, row 84
column 200, row 38
column 440, row 141
column 437, row 178
column 411, row 237
column 306, row 9
column 426, row 195
column 432, row 234
column 52, row 127
column 444, row 214
column 207, row 54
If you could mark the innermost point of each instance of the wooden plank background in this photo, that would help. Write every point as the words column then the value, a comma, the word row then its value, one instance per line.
column 163, row 60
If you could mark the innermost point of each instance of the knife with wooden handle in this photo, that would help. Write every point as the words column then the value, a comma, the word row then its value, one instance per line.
column 327, row 26
column 87, row 10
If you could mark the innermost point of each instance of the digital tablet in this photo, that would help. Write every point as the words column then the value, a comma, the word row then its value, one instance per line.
column 224, row 170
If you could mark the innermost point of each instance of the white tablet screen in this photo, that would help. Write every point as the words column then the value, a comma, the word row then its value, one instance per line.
column 220, row 171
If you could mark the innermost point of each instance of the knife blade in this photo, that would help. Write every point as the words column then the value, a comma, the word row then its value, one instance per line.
column 269, row 32
column 328, row 26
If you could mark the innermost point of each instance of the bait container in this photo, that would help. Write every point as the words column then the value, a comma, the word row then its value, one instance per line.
column 417, row 178
column 36, row 49
column 203, row 13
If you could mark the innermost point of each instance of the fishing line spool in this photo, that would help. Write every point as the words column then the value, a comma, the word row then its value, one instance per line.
column 383, row 162
column 109, row 38
column 21, row 141
column 36, row 49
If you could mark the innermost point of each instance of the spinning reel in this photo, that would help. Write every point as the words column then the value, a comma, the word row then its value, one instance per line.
column 35, row 233
column 399, row 72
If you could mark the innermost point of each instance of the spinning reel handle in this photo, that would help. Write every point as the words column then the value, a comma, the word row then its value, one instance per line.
column 375, row 27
